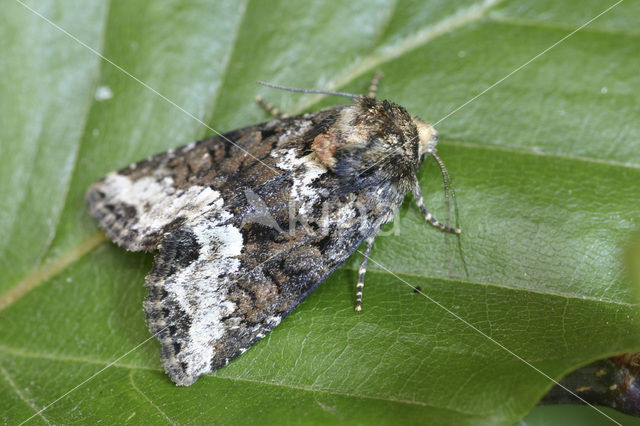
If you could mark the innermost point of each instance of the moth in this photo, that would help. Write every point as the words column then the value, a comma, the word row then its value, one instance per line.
column 247, row 224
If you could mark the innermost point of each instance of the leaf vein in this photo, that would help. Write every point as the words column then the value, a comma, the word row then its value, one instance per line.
column 386, row 398
column 137, row 389
column 528, row 290
column 45, row 272
column 502, row 148
column 15, row 388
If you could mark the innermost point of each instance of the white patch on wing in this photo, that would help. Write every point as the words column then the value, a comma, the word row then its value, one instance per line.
column 273, row 321
column 201, row 288
column 301, row 192
column 158, row 203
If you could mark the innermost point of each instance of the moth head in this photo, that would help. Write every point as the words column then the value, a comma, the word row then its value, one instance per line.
column 428, row 138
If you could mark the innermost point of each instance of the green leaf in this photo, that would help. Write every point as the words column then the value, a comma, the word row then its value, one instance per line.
column 546, row 167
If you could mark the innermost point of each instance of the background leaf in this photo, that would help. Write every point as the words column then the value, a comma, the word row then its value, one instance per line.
column 546, row 167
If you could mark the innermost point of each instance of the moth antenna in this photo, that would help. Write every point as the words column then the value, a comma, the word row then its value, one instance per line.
column 450, row 195
column 448, row 191
column 321, row 92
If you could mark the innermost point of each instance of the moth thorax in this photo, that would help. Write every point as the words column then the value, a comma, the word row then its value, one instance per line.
column 428, row 137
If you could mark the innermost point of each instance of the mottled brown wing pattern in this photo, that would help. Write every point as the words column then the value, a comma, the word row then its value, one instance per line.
column 138, row 204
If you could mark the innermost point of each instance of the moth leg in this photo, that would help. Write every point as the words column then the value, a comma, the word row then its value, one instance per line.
column 361, row 272
column 417, row 194
column 270, row 108
column 373, row 87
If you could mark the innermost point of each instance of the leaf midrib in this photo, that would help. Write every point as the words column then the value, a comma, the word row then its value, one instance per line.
column 545, row 25
column 383, row 54
column 208, row 116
